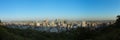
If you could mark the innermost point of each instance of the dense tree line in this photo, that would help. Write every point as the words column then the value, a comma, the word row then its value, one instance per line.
column 112, row 32
column 0, row 21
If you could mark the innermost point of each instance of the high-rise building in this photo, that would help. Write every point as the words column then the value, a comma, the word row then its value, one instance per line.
column 37, row 24
column 52, row 24
column 84, row 24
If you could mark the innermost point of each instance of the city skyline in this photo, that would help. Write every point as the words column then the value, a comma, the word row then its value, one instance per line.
column 63, row 9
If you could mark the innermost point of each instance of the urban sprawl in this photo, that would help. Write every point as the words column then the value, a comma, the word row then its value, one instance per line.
column 57, row 25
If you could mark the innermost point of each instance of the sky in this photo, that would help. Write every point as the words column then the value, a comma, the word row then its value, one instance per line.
column 63, row 9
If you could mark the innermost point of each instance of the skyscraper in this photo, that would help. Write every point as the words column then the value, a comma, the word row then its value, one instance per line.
column 84, row 24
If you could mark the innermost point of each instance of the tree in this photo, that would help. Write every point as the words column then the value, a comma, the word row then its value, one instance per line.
column 118, row 21
column 0, row 21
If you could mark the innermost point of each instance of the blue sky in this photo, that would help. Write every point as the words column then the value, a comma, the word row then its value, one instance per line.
column 52, row 9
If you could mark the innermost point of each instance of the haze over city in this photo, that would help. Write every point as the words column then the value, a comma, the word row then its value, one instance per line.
column 63, row 9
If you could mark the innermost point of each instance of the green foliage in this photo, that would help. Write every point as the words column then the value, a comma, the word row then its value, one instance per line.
column 108, row 33
column 0, row 21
